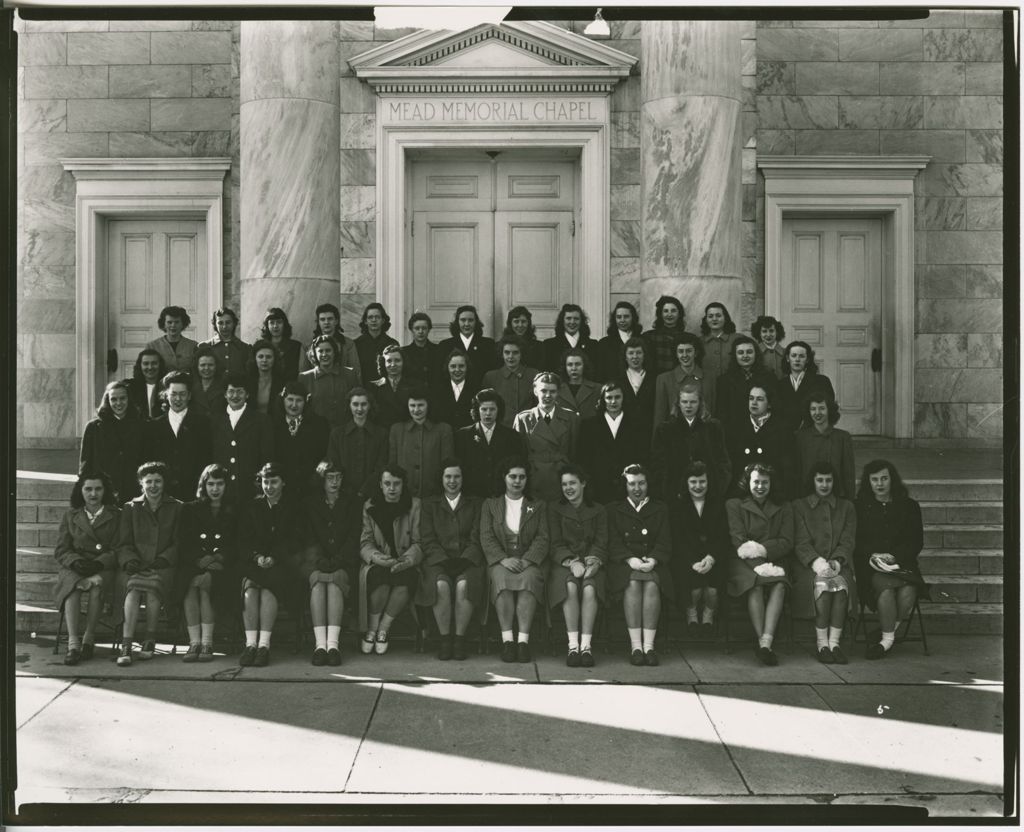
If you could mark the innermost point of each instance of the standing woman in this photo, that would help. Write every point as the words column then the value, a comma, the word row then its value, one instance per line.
column 374, row 327
column 638, row 384
column 87, row 553
column 801, row 379
column 144, row 387
column 328, row 382
column 623, row 324
column 890, row 537
column 328, row 325
column 299, row 438
column 147, row 551
column 689, row 354
column 572, row 331
column 733, row 386
column 579, row 549
column 482, row 445
column 265, row 378
column 241, row 439
column 391, row 551
column 333, row 519
column 820, row 441
column 610, row 442
column 577, row 392
column 421, row 355
column 277, row 331
column 669, row 325
column 762, row 437
column 687, row 437
column 513, row 381
column 206, row 578
column 359, row 446
column 826, row 530
column 519, row 324
column 468, row 335
column 769, row 334
column 761, row 533
column 391, row 389
column 514, row 539
column 177, row 351
column 113, row 442
column 180, row 438
column 453, row 395
column 420, row 445
column 700, row 538
column 452, row 572
column 551, row 434
column 207, row 386
column 718, row 332
column 639, row 549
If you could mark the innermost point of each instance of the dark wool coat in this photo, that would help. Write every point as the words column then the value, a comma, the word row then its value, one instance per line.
column 208, row 543
column 332, row 535
column 420, row 449
column 115, row 446
column 361, row 453
column 556, row 346
column 694, row 536
column 300, row 454
column 77, row 539
column 144, row 536
column 423, row 364
column 273, row 531
column 368, row 349
column 515, row 389
column 893, row 527
column 480, row 460
column 137, row 399
column 231, row 356
column 788, row 404
column 244, row 449
column 732, row 405
column 604, row 456
column 666, row 393
column 834, row 446
column 772, row 445
column 391, row 405
column 644, row 533
column 824, row 529
column 584, row 402
column 576, row 534
column 447, row 535
column 444, row 408
column 771, row 525
column 185, row 454
column 641, row 403
column 549, row 446
column 289, row 358
column 611, row 350
column 676, row 444
column 210, row 401
column 328, row 392
column 661, row 349
column 482, row 352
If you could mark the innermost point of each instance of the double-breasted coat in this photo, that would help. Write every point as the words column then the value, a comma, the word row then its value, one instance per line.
column 185, row 454
column 96, row 542
column 788, row 402
column 583, row 402
column 243, row 449
column 677, row 443
column 361, row 452
column 115, row 446
column 328, row 391
column 480, row 458
column 732, row 395
column 772, row 445
column 831, row 445
column 694, row 536
column 638, row 534
column 332, row 537
column 824, row 528
column 896, row 528
column 301, row 453
column 446, row 535
column 531, row 543
column 769, row 524
column 208, row 542
column 372, row 541
column 150, row 538
column 605, row 456
column 420, row 449
column 549, row 446
column 576, row 534
column 272, row 531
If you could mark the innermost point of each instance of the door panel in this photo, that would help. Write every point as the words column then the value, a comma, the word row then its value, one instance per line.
column 833, row 301
column 535, row 186
column 152, row 264
column 449, row 186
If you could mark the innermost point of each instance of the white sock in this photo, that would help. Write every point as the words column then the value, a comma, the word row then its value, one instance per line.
column 835, row 635
column 888, row 639
column 250, row 638
column 635, row 642
column 320, row 636
column 506, row 635
column 691, row 615
column 524, row 638
column 574, row 639
column 206, row 636
column 193, row 633
column 821, row 634
column 333, row 635
column 766, row 641
column 585, row 641
column 649, row 639
column 264, row 638
column 74, row 643
column 708, row 616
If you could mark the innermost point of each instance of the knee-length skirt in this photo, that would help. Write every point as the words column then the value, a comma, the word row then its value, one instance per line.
column 531, row 580
column 451, row 571
column 279, row 579
column 620, row 574
column 560, row 576
column 339, row 578
column 68, row 581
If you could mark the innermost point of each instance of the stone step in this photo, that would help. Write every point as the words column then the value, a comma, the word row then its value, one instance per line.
column 963, row 536
column 961, row 562
column 962, row 512
column 36, row 486
column 987, row 589
column 952, row 489
column 36, row 560
column 36, row 534
column 962, row 619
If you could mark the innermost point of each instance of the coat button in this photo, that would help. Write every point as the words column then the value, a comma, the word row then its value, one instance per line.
column 232, row 459
column 233, row 443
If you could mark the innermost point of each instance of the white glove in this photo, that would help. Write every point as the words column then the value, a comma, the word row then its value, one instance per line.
column 837, row 567
column 751, row 550
column 636, row 564
column 884, row 562
column 769, row 570
column 821, row 568
column 703, row 566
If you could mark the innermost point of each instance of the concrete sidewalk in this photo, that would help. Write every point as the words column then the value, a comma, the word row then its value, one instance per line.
column 705, row 727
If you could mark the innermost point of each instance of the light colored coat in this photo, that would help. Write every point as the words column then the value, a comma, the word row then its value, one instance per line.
column 78, row 539
column 584, row 403
column 549, row 446
column 770, row 525
column 420, row 450
column 824, row 529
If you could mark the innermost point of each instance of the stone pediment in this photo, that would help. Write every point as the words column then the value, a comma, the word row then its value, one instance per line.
column 508, row 57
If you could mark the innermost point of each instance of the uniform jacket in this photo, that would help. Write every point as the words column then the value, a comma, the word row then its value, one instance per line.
column 549, row 446
column 332, row 534
column 482, row 352
column 788, row 404
column 604, row 456
column 244, row 449
column 231, row 356
column 407, row 535
column 328, row 391
column 181, row 359
column 300, row 454
column 480, row 459
column 361, row 452
column 185, row 454
column 515, row 389
column 78, row 539
column 834, row 446
column 666, row 393
column 676, row 444
column 824, row 528
column 895, row 528
column 577, row 533
column 532, row 542
column 771, row 525
column 115, row 446
column 451, row 534
column 584, row 402
column 419, row 449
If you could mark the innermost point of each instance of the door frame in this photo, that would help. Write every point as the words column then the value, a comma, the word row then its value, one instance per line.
column 133, row 189
column 836, row 186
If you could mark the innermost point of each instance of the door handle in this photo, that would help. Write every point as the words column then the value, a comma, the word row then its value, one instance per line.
column 111, row 360
column 876, row 360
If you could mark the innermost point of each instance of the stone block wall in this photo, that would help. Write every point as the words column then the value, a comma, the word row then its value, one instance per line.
column 101, row 89
column 931, row 86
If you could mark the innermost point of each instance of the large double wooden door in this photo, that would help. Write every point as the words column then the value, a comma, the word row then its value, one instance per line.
column 496, row 233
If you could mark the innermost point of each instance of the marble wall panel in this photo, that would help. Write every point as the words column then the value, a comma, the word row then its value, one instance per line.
column 46, row 282
column 625, row 238
column 358, row 275
column 984, row 349
column 358, row 239
column 972, row 385
column 151, row 25
column 50, row 315
column 48, row 214
column 210, row 143
column 101, row 48
column 140, row 145
column 984, row 79
column 941, row 145
column 813, row 78
column 358, row 166
column 191, row 47
column 776, row 142
column 356, row 30
column 47, row 421
column 290, row 59
column 625, row 202
column 748, row 93
column 625, row 29
column 44, row 352
column 985, row 146
column 963, row 180
column 985, row 213
column 748, row 56
column 748, row 166
column 174, row 114
column 47, row 182
column 106, row 114
column 982, row 19
column 810, row 112
column 165, row 81
column 48, row 248
column 963, row 45
column 960, row 315
column 817, row 142
column 966, row 111
column 776, row 78
column 42, row 115
column 749, row 209
column 349, row 49
column 985, row 421
column 691, row 58
column 625, row 130
column 881, row 112
column 625, row 274
column 208, row 25
column 980, row 247
column 45, row 385
column 381, row 33
column 66, row 82
column 899, row 78
column 941, row 281
column 940, row 350
column 358, row 202
column 211, row 81
column 352, row 306
column 64, row 25
column 625, row 96
column 932, row 19
column 835, row 23
column 940, row 421
column 797, row 45
column 933, row 213
column 885, row 45
column 356, row 96
column 358, row 130
column 748, row 130
column 983, row 281
column 47, row 49
column 752, row 274
column 625, row 168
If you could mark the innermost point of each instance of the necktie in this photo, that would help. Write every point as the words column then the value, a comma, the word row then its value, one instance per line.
column 547, row 418
column 293, row 425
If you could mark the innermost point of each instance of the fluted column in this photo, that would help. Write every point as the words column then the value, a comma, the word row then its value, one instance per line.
column 290, row 246
column 691, row 165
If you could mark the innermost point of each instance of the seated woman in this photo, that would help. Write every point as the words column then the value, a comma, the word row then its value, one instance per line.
column 826, row 528
column 269, row 535
column 761, row 533
column 206, row 577
column 514, row 539
column 700, row 540
column 890, row 537
column 391, row 549
column 147, row 551
column 86, row 552
column 453, row 562
column 333, row 520
column 579, row 548
column 820, row 441
column 420, row 444
column 113, row 442
column 639, row 549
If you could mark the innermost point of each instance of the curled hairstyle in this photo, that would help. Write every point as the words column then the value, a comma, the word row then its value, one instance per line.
column 635, row 469
column 360, row 391
column 446, row 463
column 390, row 349
column 765, row 321
column 574, row 352
column 405, row 499
column 759, row 468
column 659, row 311
column 419, row 393
column 769, row 394
column 276, row 313
column 819, row 468
column 416, row 317
column 380, row 308
column 137, row 369
column 584, row 329
column 634, row 329
column 327, row 307
column 204, row 351
column 271, row 469
column 213, row 471
column 453, row 327
column 224, row 311
column 520, row 312
column 105, row 411
column 296, row 388
column 457, row 351
column 176, row 377
column 154, row 467
column 607, row 387
column 325, row 467
column 578, row 471
column 488, row 394
column 740, row 341
column 729, row 326
column 811, row 369
column 236, row 379
column 506, row 465
column 109, row 497
column 634, row 342
column 831, row 404
column 513, row 340
column 696, row 343
column 898, row 489
column 696, row 468
column 173, row 312
column 320, row 339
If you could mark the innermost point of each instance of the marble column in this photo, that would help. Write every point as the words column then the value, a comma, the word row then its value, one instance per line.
column 690, row 123
column 290, row 135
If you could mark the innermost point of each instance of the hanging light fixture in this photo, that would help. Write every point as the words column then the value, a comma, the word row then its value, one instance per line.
column 598, row 27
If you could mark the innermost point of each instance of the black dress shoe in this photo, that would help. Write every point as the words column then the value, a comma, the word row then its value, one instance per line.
column 651, row 658
column 334, row 657
column 459, row 649
column 523, row 652
column 508, row 651
column 73, row 656
column 87, row 651
column 319, row 657
column 707, row 629
column 838, row 656
column 875, row 651
column 572, row 658
column 770, row 658
column 262, row 657
column 636, row 658
column 247, row 657
column 586, row 658
column 446, row 652
column 825, row 655
column 693, row 628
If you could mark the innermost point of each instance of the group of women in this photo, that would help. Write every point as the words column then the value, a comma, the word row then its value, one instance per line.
column 429, row 474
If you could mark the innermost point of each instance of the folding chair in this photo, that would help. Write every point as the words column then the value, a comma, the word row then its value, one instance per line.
column 861, row 627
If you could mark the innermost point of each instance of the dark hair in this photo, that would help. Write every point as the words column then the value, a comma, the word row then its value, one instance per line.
column 761, row 468
column 405, row 500
column 696, row 468
column 449, row 462
column 390, row 348
column 764, row 321
column 295, row 388
column 460, row 352
column 635, row 329
column 659, row 308
column 271, row 469
column 420, row 316
column 109, row 497
column 317, row 341
column 137, row 369
column 325, row 467
column 222, row 312
column 420, row 393
column 276, row 369
column 379, row 307
column 693, row 341
column 574, row 352
column 326, row 307
column 821, row 467
column 898, row 490
column 105, row 411
column 360, row 391
column 580, row 473
column 811, row 369
column 769, row 392
column 488, row 394
column 154, row 467
column 506, row 340
column 176, row 377
column 453, row 327
column 733, row 365
column 729, row 326
column 506, row 465
column 173, row 312
column 831, row 404
column 635, row 469
column 560, row 320
column 276, row 313
column 633, row 343
column 203, row 351
column 520, row 312
column 605, row 388
column 213, row 471
column 235, row 379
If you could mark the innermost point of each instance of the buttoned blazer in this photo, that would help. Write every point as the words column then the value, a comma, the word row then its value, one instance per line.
column 328, row 391
column 771, row 525
column 115, row 446
column 822, row 529
column 676, row 444
column 834, row 446
column 533, row 532
column 605, row 456
column 244, row 449
column 231, row 356
column 362, row 471
column 666, row 393
column 480, row 460
column 482, row 352
column 185, row 454
column 638, row 534
column 788, row 404
column 716, row 359
column 557, row 346
column 772, row 444
column 422, row 459
column 577, row 533
column 584, row 403
column 641, row 402
column 78, row 539
column 332, row 534
column 732, row 399
column 444, row 408
column 300, row 454
column 181, row 359
column 200, row 532
column 406, row 534
column 515, row 389
column 451, row 534
column 548, row 446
